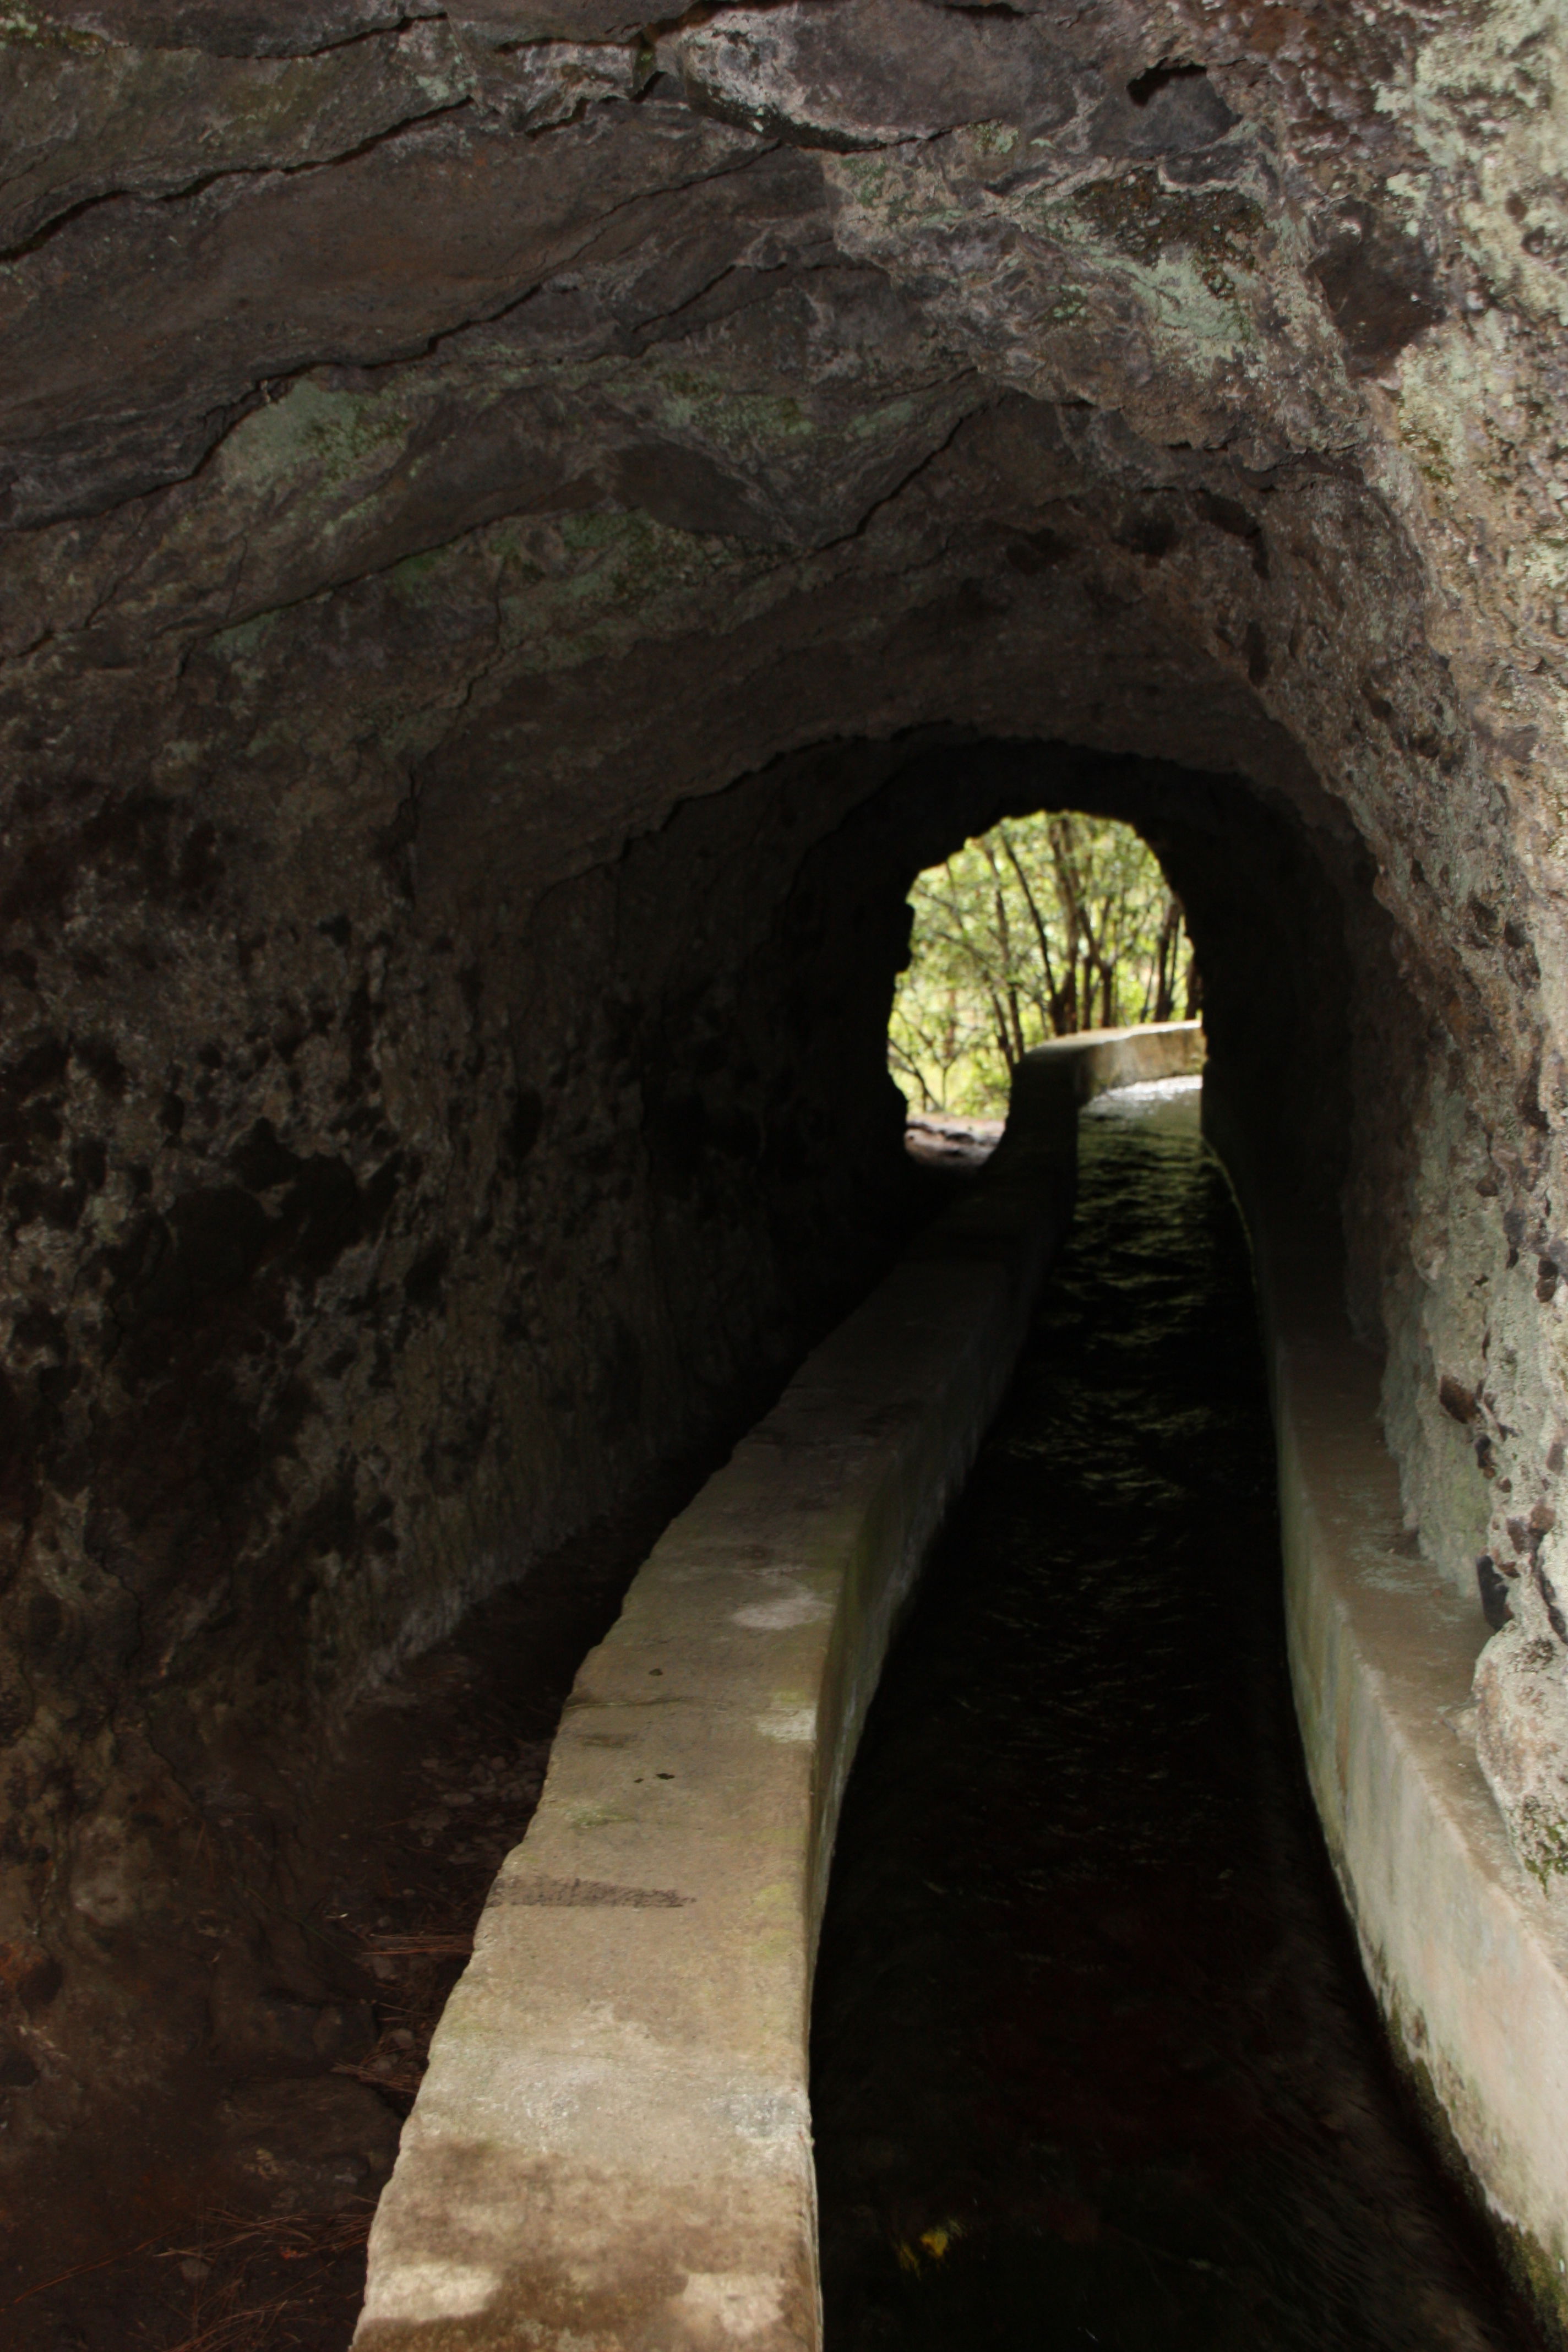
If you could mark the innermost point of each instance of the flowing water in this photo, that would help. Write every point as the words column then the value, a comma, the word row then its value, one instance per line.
column 1095, row 2064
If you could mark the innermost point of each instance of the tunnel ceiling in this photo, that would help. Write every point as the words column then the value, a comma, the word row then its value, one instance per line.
column 471, row 478
column 532, row 419
column 541, row 418
column 538, row 418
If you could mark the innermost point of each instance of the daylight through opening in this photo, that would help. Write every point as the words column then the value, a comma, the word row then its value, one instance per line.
column 1043, row 926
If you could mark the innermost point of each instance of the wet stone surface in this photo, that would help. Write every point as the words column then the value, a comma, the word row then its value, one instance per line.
column 1095, row 2064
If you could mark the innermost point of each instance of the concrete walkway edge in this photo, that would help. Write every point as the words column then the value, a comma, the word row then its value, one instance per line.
column 611, row 2151
column 1466, row 1955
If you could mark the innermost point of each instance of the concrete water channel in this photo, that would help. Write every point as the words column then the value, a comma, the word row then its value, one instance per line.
column 1098, row 2061
column 1095, row 2062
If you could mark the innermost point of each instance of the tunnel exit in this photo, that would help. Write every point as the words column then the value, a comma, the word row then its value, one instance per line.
column 1045, row 925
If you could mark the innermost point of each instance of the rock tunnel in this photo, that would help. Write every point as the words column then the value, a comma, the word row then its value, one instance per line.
column 523, row 530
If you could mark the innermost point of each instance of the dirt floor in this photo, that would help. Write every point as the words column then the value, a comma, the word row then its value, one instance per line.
column 936, row 1140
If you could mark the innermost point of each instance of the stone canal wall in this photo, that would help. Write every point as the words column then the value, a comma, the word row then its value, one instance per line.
column 613, row 2143
column 1468, row 1957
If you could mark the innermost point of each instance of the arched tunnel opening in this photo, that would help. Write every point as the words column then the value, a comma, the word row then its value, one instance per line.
column 1043, row 926
column 521, row 532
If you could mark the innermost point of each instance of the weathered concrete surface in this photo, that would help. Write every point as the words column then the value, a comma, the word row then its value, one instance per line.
column 1468, row 1957
column 613, row 2143
column 1467, row 1953
column 1100, row 1060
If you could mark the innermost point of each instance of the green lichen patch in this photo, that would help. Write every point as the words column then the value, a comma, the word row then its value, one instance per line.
column 1066, row 307
column 1429, row 455
column 732, row 420
column 616, row 577
column 330, row 434
column 992, row 138
column 893, row 417
column 1139, row 217
column 1541, row 1840
column 247, row 642
column 22, row 31
column 982, row 151
column 897, row 192
column 421, row 579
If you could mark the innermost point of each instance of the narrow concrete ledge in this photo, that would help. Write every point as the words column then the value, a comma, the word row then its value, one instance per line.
column 612, row 2148
column 1467, row 1957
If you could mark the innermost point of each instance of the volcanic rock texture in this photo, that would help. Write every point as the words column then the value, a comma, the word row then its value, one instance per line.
column 523, row 530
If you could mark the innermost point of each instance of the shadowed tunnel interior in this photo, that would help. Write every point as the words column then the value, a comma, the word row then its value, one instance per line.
column 691, row 1161
column 520, row 533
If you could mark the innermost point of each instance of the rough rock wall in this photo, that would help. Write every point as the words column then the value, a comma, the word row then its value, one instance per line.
column 370, row 1286
column 437, row 445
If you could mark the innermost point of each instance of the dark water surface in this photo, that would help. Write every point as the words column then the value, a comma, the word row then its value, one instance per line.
column 1095, row 2064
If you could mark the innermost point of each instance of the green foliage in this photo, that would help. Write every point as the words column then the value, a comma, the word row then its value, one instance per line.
column 1045, row 926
